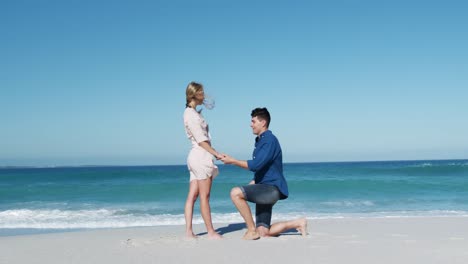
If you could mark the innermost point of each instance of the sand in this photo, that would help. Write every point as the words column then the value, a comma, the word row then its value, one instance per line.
column 349, row 240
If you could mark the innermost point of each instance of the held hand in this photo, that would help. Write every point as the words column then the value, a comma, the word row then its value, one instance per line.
column 227, row 159
column 219, row 156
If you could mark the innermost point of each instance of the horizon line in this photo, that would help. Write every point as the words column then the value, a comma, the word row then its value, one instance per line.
column 154, row 165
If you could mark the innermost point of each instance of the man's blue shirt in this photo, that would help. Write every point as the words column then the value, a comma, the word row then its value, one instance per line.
column 267, row 162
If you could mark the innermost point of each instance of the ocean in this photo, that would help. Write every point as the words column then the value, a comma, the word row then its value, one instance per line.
column 35, row 200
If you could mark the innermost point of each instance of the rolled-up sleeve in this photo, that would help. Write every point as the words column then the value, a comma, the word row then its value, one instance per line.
column 197, row 129
column 262, row 156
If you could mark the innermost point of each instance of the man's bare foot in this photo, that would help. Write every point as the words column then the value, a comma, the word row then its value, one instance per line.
column 251, row 235
column 302, row 227
column 214, row 236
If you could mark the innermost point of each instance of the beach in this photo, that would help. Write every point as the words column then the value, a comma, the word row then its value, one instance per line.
column 348, row 240
column 358, row 212
column 352, row 110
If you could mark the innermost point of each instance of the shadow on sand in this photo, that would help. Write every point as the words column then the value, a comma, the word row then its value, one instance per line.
column 239, row 226
column 227, row 229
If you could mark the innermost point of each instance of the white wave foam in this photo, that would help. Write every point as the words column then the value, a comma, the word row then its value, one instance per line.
column 348, row 203
column 429, row 164
column 104, row 218
column 421, row 165
column 101, row 218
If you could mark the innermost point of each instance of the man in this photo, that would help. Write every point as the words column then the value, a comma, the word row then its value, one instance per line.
column 268, row 185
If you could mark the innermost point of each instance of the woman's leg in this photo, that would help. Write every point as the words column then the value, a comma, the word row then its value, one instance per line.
column 204, row 187
column 191, row 199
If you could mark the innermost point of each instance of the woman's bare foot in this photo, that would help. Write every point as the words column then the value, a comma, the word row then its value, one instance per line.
column 251, row 235
column 214, row 236
column 190, row 235
column 302, row 227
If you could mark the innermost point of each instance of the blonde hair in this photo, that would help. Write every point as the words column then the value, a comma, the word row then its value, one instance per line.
column 192, row 89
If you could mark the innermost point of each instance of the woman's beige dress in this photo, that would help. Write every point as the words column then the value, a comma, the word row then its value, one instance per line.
column 200, row 162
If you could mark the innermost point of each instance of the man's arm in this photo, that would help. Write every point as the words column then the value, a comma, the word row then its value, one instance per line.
column 264, row 155
column 230, row 160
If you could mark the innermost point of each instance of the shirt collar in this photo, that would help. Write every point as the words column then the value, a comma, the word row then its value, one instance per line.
column 267, row 132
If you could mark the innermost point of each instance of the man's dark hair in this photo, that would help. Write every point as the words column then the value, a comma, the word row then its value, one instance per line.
column 262, row 114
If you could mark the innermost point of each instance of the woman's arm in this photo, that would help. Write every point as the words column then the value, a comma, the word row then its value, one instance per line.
column 207, row 146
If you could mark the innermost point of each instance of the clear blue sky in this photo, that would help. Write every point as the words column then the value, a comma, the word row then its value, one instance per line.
column 103, row 82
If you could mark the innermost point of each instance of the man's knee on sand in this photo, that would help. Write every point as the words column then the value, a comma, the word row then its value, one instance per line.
column 263, row 231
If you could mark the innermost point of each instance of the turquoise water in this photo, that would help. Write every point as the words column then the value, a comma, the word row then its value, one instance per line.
column 106, row 197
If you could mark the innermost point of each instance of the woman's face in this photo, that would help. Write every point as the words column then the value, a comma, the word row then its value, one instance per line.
column 199, row 97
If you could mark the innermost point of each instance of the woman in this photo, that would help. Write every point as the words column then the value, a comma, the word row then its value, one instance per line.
column 200, row 161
